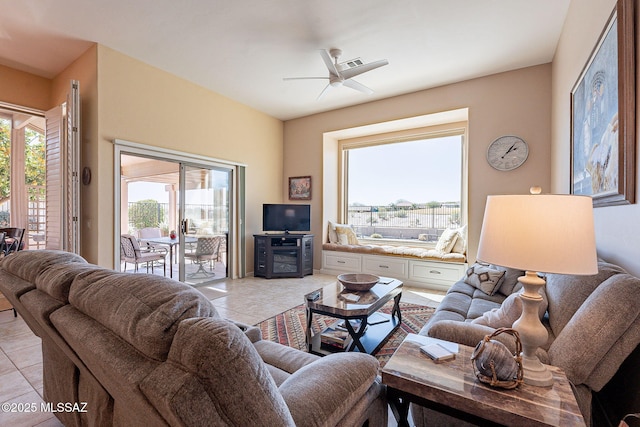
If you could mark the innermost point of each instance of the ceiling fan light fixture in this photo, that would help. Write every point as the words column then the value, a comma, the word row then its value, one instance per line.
column 342, row 74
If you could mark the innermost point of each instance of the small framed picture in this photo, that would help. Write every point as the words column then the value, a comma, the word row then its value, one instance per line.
column 300, row 188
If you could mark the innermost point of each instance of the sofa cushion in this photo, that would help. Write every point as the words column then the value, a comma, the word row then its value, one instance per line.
column 484, row 278
column 144, row 310
column 56, row 280
column 601, row 334
column 402, row 251
column 345, row 378
column 28, row 265
column 566, row 293
column 282, row 360
column 232, row 378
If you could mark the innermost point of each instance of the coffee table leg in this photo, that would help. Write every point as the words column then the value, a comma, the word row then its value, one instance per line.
column 396, row 307
column 308, row 333
column 399, row 405
column 357, row 335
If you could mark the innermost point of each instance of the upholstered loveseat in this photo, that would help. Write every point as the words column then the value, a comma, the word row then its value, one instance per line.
column 593, row 324
column 143, row 350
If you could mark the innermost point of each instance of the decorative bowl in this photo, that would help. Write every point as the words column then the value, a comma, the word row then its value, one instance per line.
column 358, row 281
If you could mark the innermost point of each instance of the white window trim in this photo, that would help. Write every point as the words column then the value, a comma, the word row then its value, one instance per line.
column 429, row 125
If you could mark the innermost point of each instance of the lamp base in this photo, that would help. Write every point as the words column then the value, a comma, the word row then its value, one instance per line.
column 532, row 333
column 535, row 373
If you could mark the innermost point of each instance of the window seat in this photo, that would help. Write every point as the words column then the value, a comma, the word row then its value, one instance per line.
column 399, row 251
column 418, row 267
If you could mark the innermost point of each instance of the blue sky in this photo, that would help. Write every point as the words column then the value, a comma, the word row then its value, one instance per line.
column 417, row 171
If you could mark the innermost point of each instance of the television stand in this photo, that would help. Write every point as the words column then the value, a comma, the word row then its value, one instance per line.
column 283, row 255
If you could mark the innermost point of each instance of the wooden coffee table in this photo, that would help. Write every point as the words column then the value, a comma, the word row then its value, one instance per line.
column 452, row 388
column 332, row 301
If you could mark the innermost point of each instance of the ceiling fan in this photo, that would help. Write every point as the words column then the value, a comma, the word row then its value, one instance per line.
column 341, row 74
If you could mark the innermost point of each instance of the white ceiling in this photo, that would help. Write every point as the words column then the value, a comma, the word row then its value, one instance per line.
column 243, row 49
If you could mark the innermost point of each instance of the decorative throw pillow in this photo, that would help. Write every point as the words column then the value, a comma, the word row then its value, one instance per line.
column 484, row 278
column 509, row 311
column 460, row 247
column 333, row 236
column 447, row 240
column 510, row 282
column 346, row 235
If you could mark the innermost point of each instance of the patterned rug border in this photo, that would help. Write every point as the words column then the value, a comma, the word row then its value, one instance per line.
column 289, row 327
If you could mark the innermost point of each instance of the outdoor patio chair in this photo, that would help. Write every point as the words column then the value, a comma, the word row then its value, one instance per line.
column 130, row 251
column 2, row 242
column 207, row 249
column 12, row 241
column 151, row 233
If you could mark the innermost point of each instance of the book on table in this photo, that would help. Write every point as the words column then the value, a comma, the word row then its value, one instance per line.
column 335, row 338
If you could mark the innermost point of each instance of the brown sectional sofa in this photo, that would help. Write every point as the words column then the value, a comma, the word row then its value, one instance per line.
column 145, row 350
column 594, row 335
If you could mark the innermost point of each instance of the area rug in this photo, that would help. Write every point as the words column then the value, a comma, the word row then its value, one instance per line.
column 289, row 328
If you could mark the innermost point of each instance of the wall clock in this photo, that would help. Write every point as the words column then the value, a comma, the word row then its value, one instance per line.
column 507, row 153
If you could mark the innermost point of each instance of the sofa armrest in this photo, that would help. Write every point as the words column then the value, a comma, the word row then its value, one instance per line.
column 252, row 332
column 323, row 392
column 470, row 334
column 466, row 333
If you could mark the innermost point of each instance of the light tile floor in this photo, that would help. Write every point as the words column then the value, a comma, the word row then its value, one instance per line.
column 250, row 300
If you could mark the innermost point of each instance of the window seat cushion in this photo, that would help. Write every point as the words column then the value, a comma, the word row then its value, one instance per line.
column 400, row 251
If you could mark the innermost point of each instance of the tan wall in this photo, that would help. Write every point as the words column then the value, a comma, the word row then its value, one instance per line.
column 24, row 89
column 142, row 104
column 617, row 227
column 126, row 99
column 512, row 103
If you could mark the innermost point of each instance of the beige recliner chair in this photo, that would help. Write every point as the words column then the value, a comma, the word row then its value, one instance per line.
column 145, row 350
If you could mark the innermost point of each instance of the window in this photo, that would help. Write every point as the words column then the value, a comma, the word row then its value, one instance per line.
column 22, row 174
column 407, row 190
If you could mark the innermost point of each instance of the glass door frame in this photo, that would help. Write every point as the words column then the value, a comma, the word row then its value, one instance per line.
column 186, row 167
column 236, row 267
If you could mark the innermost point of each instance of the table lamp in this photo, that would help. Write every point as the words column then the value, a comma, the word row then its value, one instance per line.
column 538, row 233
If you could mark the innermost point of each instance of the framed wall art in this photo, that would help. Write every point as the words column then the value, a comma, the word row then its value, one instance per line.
column 603, row 110
column 300, row 188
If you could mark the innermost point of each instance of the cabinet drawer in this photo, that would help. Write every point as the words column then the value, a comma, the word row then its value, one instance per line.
column 436, row 272
column 343, row 262
column 386, row 266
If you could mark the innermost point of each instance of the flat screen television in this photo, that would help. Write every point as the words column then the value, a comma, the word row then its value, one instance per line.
column 286, row 218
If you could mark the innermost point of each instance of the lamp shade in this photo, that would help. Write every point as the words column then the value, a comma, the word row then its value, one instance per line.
column 545, row 233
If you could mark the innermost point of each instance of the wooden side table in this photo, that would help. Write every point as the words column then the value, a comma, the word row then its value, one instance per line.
column 451, row 387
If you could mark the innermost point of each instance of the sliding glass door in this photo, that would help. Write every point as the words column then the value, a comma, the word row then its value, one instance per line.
column 181, row 207
column 205, row 208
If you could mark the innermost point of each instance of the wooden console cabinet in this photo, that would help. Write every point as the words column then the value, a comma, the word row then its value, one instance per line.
column 283, row 255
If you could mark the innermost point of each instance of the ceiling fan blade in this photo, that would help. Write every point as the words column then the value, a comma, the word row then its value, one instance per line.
column 328, row 62
column 352, row 72
column 326, row 89
column 357, row 86
column 305, row 78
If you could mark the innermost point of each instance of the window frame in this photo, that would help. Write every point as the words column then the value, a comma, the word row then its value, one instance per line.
column 458, row 128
